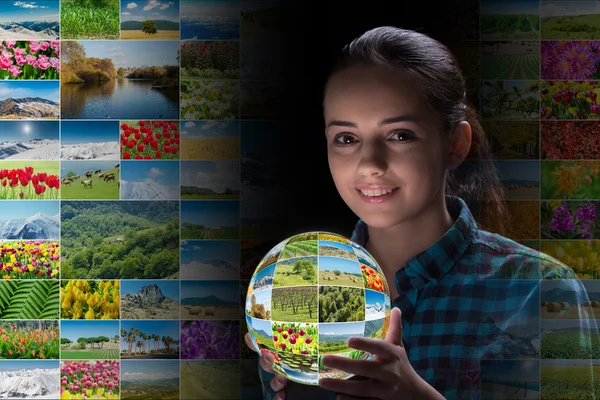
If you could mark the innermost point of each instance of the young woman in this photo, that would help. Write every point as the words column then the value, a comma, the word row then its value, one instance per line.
column 407, row 153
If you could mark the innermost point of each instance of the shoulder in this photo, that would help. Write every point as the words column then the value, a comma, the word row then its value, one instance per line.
column 508, row 259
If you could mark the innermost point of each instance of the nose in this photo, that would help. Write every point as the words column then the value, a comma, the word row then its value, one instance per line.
column 373, row 161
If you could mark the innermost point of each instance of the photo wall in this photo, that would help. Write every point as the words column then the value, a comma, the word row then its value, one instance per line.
column 127, row 234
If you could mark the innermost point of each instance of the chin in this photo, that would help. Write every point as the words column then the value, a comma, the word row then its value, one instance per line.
column 380, row 220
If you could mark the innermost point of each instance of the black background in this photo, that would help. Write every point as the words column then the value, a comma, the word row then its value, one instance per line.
column 315, row 36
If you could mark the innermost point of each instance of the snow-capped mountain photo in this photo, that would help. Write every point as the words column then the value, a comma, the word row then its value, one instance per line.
column 29, row 100
column 89, row 140
column 30, row 30
column 210, row 260
column 149, row 180
column 29, row 379
column 30, row 20
column 29, row 219
column 29, row 140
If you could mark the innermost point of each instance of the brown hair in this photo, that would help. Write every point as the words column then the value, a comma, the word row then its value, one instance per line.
column 435, row 71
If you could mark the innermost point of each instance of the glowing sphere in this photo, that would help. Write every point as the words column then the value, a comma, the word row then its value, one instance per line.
column 308, row 295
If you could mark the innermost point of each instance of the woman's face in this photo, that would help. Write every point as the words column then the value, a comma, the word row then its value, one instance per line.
column 382, row 137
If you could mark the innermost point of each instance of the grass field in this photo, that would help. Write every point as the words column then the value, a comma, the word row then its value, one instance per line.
column 90, row 354
column 569, row 382
column 140, row 35
column 210, row 380
column 510, row 67
column 301, row 249
column 292, row 304
column 100, row 189
column 210, row 234
column 564, row 345
column 580, row 27
column 80, row 22
column 509, row 26
column 328, row 277
column 210, row 149
column 267, row 341
column 284, row 275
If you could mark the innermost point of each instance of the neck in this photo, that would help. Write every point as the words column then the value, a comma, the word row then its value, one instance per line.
column 392, row 247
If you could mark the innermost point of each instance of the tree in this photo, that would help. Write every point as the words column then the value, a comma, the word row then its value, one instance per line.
column 121, row 72
column 72, row 53
column 149, row 27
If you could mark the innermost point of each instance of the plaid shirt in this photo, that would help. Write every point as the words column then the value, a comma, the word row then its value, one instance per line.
column 472, row 296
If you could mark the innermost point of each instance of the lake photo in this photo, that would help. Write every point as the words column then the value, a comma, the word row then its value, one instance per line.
column 120, row 80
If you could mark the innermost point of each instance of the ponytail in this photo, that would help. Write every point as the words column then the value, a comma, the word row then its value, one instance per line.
column 477, row 181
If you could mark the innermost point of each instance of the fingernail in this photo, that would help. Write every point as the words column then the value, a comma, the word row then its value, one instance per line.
column 269, row 357
column 280, row 379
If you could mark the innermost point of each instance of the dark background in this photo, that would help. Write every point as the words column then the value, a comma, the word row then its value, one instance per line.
column 316, row 33
column 316, row 36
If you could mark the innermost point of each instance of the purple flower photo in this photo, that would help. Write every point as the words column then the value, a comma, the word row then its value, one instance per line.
column 570, row 59
column 570, row 220
column 210, row 340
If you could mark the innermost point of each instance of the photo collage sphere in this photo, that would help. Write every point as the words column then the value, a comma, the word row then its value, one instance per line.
column 307, row 296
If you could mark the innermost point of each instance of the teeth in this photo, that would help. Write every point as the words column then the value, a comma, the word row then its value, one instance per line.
column 376, row 193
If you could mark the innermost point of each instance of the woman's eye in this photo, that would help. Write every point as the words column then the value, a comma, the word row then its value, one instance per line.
column 344, row 139
column 403, row 136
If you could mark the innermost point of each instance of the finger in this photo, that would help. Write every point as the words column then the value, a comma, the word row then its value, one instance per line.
column 367, row 388
column 394, row 333
column 278, row 383
column 279, row 396
column 266, row 362
column 384, row 350
column 364, row 368
column 249, row 342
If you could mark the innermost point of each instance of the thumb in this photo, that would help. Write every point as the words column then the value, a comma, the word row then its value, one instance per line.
column 394, row 333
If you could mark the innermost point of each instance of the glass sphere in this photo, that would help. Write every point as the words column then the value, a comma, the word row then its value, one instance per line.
column 307, row 296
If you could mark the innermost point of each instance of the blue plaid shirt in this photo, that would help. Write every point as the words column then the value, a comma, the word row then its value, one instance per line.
column 473, row 296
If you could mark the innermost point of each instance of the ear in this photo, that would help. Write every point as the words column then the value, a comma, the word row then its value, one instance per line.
column 460, row 144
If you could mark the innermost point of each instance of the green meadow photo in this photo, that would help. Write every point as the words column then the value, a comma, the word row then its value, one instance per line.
column 90, row 19
column 90, row 180
column 89, row 340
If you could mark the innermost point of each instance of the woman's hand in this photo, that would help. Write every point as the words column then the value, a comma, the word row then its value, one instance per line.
column 388, row 376
column 266, row 360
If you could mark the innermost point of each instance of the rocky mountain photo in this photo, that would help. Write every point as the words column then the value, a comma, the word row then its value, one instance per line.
column 29, row 108
column 148, row 303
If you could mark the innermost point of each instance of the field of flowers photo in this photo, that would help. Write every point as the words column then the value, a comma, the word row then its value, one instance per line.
column 28, row 340
column 150, row 140
column 29, row 259
column 90, row 299
column 29, row 59
column 570, row 180
column 33, row 180
column 90, row 379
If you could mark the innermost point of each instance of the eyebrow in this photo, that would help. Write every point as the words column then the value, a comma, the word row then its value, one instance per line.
column 386, row 121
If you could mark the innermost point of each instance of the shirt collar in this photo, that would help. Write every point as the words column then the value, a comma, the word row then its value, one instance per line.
column 435, row 262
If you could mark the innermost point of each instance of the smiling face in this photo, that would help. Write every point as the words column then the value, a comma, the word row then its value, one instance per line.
column 381, row 137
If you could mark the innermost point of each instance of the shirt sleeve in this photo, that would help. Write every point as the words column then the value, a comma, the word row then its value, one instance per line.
column 588, row 339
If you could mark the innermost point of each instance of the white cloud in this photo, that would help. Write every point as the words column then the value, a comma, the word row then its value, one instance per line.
column 209, row 125
column 164, row 6
column 131, row 5
column 151, row 4
column 155, row 172
column 126, row 13
column 189, row 124
column 24, row 4
column 6, row 91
